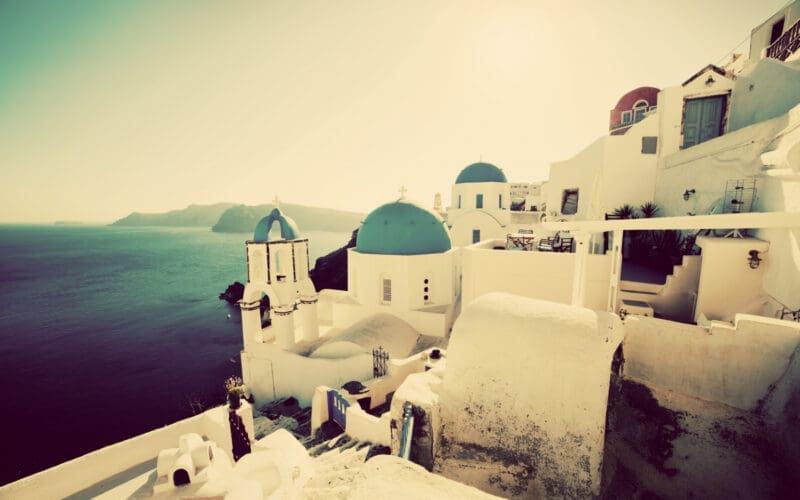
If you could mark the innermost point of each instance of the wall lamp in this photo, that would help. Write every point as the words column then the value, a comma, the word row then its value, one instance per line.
column 754, row 260
column 710, row 80
column 687, row 194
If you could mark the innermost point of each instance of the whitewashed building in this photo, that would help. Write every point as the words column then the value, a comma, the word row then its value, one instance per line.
column 484, row 205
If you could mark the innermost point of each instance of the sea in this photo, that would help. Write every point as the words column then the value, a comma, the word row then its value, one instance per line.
column 107, row 332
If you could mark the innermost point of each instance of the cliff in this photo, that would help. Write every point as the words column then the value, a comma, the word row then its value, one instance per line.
column 330, row 271
column 243, row 219
column 191, row 216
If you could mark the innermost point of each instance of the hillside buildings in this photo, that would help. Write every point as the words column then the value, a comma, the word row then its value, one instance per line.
column 539, row 341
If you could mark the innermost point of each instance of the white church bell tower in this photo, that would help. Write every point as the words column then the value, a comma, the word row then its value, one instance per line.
column 277, row 266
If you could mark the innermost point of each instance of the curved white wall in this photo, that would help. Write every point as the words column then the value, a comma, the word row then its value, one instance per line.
column 527, row 380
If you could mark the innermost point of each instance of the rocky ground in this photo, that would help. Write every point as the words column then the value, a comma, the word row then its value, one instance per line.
column 660, row 444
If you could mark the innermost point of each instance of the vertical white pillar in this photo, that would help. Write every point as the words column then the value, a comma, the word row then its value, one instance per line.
column 307, row 311
column 579, row 273
column 251, row 322
column 616, row 270
column 283, row 326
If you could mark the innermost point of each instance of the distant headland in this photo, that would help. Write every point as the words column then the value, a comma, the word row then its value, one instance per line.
column 230, row 218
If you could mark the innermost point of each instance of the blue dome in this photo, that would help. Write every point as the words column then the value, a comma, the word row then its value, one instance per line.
column 481, row 172
column 289, row 229
column 403, row 228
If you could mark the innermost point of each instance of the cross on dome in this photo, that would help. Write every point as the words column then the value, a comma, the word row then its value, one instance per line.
column 403, row 192
column 276, row 202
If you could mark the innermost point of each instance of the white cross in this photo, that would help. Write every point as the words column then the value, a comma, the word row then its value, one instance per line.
column 403, row 191
column 276, row 202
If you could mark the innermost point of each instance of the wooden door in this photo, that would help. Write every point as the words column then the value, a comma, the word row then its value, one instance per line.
column 702, row 119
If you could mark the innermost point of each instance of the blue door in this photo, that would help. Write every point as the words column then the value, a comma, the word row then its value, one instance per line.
column 337, row 408
column 702, row 119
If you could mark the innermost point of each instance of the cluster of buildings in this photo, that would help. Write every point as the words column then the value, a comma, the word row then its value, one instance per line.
column 492, row 325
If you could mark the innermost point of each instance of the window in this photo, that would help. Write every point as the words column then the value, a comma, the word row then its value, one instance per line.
column 459, row 201
column 777, row 31
column 639, row 109
column 426, row 291
column 649, row 145
column 500, row 201
column 626, row 117
column 478, row 201
column 569, row 203
column 476, row 235
column 387, row 291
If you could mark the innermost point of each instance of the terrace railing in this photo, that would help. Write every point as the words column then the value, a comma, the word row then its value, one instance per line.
column 784, row 46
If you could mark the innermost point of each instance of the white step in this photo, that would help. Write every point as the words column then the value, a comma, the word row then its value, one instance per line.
column 638, row 307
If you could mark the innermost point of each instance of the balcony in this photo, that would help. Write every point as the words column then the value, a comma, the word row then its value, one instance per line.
column 788, row 42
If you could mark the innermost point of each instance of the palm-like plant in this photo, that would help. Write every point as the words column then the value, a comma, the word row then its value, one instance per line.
column 649, row 210
column 625, row 212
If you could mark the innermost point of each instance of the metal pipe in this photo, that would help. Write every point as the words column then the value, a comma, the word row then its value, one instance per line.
column 407, row 431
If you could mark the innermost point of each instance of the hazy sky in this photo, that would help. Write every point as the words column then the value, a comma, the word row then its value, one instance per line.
column 110, row 107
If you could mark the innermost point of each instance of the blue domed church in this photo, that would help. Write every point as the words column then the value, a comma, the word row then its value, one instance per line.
column 480, row 206
column 404, row 264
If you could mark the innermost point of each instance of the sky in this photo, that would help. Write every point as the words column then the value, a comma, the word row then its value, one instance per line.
column 109, row 107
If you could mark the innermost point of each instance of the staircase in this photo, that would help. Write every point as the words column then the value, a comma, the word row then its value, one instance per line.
column 336, row 464
column 672, row 299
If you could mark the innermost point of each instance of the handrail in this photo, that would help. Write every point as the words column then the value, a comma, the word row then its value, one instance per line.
column 787, row 43
column 407, row 431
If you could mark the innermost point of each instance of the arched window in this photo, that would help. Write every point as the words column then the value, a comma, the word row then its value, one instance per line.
column 639, row 109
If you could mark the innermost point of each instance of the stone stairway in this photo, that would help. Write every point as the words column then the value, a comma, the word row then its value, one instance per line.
column 642, row 298
column 336, row 463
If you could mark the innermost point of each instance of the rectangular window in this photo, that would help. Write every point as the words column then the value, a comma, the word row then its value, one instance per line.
column 476, row 235
column 459, row 201
column 639, row 114
column 569, row 202
column 626, row 117
column 500, row 201
column 649, row 145
column 387, row 291
column 478, row 201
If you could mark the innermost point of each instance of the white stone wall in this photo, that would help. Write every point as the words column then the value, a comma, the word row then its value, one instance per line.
column 272, row 373
column 763, row 91
column 727, row 284
column 708, row 166
column 407, row 272
column 490, row 224
column 731, row 364
column 524, row 397
column 539, row 275
column 609, row 173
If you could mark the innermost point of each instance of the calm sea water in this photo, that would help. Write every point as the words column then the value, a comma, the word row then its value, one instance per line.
column 109, row 332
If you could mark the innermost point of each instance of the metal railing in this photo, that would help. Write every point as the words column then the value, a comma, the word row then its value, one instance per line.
column 786, row 44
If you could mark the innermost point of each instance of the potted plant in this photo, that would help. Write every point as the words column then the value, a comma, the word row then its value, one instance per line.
column 235, row 390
